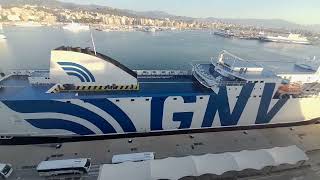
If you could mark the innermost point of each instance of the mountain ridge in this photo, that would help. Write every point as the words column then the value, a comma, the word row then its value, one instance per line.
column 267, row 23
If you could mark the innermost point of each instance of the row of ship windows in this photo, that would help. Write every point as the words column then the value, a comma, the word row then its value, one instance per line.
column 95, row 88
column 114, row 87
column 118, row 100
column 255, row 81
column 147, row 99
column 254, row 96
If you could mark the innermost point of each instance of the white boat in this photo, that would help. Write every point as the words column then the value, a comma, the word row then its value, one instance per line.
column 152, row 29
column 76, row 27
column 309, row 64
column 2, row 36
column 291, row 38
column 149, row 29
column 304, row 66
column 106, row 30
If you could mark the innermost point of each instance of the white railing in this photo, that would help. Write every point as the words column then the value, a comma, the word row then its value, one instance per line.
column 5, row 77
column 26, row 72
column 213, row 83
column 11, row 86
column 162, row 72
column 202, row 81
column 202, row 72
column 232, row 83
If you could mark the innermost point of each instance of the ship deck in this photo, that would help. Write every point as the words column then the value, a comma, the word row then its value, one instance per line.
column 18, row 88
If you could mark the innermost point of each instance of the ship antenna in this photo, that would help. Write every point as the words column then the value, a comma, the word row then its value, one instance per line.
column 92, row 41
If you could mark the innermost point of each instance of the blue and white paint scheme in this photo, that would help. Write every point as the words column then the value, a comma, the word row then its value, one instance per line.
column 74, row 69
column 88, row 94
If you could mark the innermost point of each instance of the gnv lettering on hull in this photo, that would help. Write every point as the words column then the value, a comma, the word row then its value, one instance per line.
column 167, row 113
column 181, row 112
column 263, row 115
column 190, row 112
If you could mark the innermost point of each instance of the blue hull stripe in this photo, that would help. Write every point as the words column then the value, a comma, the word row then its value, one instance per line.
column 113, row 110
column 60, row 124
column 220, row 103
column 185, row 119
column 157, row 105
column 43, row 106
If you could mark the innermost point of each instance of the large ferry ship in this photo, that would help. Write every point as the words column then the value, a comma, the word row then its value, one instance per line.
column 291, row 38
column 85, row 93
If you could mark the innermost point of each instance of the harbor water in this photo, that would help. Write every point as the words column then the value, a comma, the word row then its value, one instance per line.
column 29, row 48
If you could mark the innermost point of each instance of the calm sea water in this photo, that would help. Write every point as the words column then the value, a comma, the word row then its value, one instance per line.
column 29, row 48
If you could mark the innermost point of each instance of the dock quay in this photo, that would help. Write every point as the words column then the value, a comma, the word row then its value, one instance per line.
column 24, row 158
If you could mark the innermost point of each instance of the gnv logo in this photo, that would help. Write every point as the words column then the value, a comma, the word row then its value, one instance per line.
column 74, row 69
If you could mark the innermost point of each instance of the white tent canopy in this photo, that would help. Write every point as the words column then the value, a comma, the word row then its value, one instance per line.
column 215, row 163
column 127, row 170
column 172, row 168
column 176, row 168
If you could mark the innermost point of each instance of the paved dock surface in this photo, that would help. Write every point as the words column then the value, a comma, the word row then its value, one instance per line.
column 25, row 158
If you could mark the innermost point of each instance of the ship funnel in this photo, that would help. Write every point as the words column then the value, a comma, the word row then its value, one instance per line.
column 84, row 67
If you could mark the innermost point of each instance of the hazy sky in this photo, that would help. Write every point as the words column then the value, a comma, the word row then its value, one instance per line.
column 299, row 11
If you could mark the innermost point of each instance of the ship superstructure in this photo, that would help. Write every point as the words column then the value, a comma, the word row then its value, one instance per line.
column 85, row 93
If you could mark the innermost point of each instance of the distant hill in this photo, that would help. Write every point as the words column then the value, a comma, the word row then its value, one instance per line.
column 160, row 15
column 49, row 3
column 271, row 23
column 58, row 4
column 96, row 8
column 267, row 23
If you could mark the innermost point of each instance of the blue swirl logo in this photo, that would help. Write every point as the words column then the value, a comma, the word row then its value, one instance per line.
column 77, row 70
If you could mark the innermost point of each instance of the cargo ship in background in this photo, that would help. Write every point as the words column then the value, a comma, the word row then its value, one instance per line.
column 88, row 94
column 291, row 38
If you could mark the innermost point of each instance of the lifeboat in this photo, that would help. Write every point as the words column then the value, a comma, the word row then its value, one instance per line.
column 292, row 88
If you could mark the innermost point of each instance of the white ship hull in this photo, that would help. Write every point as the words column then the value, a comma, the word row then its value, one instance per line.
column 139, row 112
column 286, row 41
column 74, row 27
